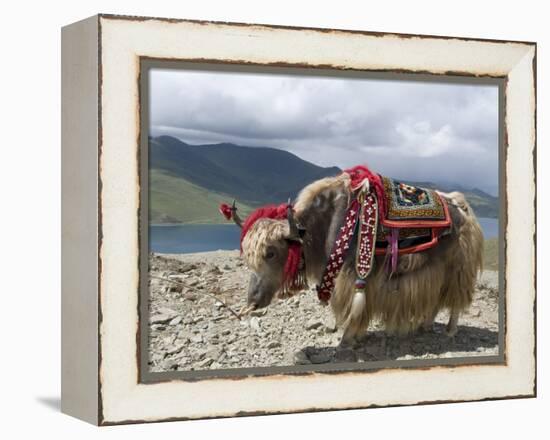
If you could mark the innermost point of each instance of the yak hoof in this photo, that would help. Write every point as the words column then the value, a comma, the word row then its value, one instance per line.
column 452, row 325
column 347, row 341
column 353, row 342
column 427, row 327
column 451, row 332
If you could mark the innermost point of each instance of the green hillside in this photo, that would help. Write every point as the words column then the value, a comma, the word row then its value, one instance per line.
column 188, row 182
column 483, row 205
column 175, row 200
column 253, row 175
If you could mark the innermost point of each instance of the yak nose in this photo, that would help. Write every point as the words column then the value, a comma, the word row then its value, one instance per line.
column 254, row 296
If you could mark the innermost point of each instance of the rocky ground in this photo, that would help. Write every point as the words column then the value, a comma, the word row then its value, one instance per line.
column 191, row 330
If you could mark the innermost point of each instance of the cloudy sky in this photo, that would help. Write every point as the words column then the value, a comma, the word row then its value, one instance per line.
column 404, row 129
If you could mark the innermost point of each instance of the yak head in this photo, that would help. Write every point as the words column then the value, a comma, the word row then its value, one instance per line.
column 271, row 245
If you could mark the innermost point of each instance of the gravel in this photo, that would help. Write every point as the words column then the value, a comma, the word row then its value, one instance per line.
column 189, row 330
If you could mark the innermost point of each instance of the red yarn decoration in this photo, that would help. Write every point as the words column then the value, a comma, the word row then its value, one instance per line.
column 323, row 296
column 358, row 174
column 276, row 212
column 226, row 211
column 270, row 211
column 292, row 264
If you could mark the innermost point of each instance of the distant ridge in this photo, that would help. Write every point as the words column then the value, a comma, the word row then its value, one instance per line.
column 187, row 182
column 252, row 175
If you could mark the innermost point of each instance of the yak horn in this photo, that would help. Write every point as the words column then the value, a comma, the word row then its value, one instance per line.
column 294, row 229
column 235, row 216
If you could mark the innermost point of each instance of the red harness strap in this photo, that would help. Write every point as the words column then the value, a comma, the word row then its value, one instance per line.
column 364, row 210
column 339, row 250
column 366, row 243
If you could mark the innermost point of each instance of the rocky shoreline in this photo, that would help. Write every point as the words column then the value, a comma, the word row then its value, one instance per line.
column 192, row 329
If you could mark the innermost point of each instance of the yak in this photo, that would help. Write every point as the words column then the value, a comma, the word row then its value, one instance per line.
column 422, row 284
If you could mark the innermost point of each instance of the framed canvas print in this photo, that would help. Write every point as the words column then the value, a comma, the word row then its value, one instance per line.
column 262, row 219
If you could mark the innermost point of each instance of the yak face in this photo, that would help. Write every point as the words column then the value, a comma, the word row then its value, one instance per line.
column 266, row 280
column 265, row 249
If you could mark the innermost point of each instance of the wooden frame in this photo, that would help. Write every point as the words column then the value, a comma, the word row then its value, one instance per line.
column 101, row 205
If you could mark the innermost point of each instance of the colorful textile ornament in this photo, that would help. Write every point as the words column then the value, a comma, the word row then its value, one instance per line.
column 359, row 174
column 339, row 250
column 294, row 274
column 294, row 270
column 414, row 204
column 391, row 218
column 367, row 234
column 275, row 212
column 292, row 264
column 362, row 216
column 415, row 219
column 226, row 211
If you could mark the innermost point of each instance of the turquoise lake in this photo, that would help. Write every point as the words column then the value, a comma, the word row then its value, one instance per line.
column 185, row 239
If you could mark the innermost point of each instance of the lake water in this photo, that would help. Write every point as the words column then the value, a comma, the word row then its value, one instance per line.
column 184, row 239
column 489, row 226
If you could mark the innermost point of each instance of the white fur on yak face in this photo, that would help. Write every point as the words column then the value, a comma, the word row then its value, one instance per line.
column 264, row 232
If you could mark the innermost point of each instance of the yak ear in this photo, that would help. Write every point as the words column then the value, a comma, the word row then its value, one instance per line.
column 298, row 237
column 296, row 231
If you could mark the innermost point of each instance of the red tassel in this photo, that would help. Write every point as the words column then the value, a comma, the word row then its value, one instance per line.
column 292, row 264
column 323, row 296
column 226, row 211
column 276, row 212
column 358, row 174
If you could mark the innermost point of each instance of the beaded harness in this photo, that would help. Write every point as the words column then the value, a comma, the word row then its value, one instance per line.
column 361, row 218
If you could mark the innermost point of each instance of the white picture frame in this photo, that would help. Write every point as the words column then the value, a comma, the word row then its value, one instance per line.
column 101, row 59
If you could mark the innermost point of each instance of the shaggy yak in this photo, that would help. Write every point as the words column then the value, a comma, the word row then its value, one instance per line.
column 288, row 247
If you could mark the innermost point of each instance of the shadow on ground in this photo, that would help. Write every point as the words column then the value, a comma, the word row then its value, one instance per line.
column 377, row 346
column 52, row 403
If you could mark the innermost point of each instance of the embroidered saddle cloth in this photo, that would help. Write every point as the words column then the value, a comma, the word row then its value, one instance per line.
column 413, row 207
column 415, row 217
column 386, row 217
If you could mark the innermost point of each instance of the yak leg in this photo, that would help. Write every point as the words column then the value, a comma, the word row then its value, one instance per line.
column 428, row 324
column 354, row 324
column 452, row 324
column 349, row 338
column 349, row 306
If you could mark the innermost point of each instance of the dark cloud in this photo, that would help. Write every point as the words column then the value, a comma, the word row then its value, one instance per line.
column 411, row 130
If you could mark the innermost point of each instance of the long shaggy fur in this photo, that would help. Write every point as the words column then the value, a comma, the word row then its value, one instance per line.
column 425, row 283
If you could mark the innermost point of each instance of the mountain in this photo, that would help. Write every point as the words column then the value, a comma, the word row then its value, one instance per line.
column 252, row 175
column 176, row 200
column 483, row 204
column 188, row 182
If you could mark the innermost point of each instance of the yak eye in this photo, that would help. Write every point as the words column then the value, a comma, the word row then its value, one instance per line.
column 269, row 255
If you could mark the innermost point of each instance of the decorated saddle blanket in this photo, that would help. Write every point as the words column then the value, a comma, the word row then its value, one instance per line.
column 385, row 217
column 414, row 219
column 410, row 206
